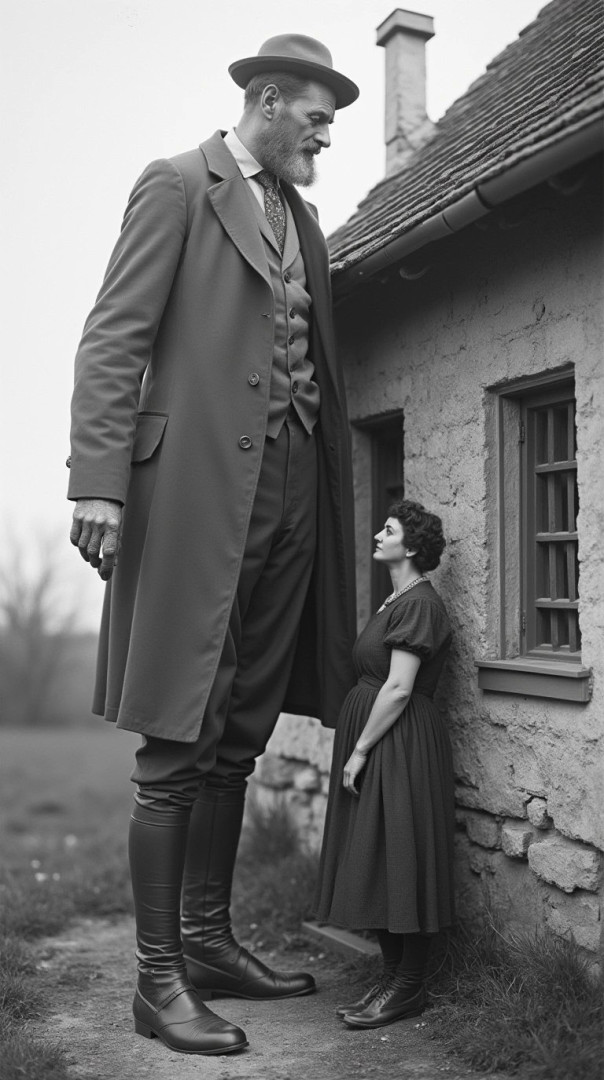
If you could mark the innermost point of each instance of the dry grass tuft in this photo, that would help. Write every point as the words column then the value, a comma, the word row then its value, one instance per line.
column 274, row 880
column 526, row 1004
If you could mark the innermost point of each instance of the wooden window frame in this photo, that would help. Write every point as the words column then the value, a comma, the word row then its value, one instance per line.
column 524, row 666
column 382, row 435
column 540, row 546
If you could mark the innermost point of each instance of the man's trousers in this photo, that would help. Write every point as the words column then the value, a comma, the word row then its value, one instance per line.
column 255, row 666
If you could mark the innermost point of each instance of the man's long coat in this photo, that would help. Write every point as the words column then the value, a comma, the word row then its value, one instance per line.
column 163, row 411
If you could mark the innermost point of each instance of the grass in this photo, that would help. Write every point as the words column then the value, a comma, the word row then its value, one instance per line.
column 274, row 880
column 65, row 801
column 528, row 1005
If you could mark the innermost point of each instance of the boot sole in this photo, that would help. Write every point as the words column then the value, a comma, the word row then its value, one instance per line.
column 149, row 1033
column 208, row 995
column 350, row 1020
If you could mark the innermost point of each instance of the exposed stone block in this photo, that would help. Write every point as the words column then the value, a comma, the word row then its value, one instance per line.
column 487, row 881
column 306, row 778
column 315, row 836
column 496, row 795
column 275, row 772
column 537, row 814
column 480, row 860
column 482, row 829
column 576, row 916
column 304, row 739
column 566, row 863
column 516, row 838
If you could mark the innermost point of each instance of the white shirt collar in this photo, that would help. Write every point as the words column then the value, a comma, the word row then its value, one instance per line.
column 248, row 166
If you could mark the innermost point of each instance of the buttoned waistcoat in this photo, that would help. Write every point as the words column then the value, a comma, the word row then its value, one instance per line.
column 166, row 419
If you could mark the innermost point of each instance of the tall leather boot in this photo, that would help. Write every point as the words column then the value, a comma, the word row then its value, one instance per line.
column 216, row 963
column 165, row 1004
column 403, row 994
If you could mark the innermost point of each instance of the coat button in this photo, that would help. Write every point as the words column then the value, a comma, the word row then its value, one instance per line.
column 253, row 378
column 294, row 388
column 292, row 313
column 291, row 339
column 245, row 442
column 287, row 277
column 68, row 462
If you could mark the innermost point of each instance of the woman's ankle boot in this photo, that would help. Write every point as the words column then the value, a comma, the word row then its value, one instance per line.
column 399, row 998
column 216, row 963
column 357, row 1006
column 165, row 1004
column 402, row 993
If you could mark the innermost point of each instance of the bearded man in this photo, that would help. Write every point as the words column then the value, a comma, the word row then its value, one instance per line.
column 210, row 445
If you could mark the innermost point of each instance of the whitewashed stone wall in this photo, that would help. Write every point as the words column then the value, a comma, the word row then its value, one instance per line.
column 518, row 296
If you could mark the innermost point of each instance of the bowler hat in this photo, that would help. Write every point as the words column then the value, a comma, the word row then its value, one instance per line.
column 299, row 55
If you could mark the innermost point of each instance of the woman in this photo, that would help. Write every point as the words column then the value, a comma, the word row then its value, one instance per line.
column 386, row 863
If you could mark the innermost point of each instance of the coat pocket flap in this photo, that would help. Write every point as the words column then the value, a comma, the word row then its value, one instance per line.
column 149, row 431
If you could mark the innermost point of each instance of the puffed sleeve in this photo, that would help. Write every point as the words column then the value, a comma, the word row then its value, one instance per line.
column 419, row 626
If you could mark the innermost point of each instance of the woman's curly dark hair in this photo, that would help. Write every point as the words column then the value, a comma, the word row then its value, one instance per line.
column 422, row 533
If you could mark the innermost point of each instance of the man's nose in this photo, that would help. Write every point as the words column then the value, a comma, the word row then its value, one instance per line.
column 322, row 135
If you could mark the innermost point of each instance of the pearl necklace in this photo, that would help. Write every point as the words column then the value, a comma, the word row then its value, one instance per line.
column 395, row 595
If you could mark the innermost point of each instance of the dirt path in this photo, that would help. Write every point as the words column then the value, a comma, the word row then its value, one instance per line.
column 90, row 970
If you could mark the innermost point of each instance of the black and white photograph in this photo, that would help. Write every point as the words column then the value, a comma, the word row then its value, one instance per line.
column 301, row 576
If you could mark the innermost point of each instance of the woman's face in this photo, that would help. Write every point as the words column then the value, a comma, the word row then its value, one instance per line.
column 389, row 543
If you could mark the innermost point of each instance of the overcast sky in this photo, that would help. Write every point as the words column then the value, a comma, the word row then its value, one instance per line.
column 93, row 90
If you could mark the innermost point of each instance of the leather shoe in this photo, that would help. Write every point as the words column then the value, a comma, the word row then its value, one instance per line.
column 362, row 1003
column 237, row 973
column 399, row 998
column 183, row 1023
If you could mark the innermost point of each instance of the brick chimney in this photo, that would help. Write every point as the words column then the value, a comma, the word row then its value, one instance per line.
column 404, row 35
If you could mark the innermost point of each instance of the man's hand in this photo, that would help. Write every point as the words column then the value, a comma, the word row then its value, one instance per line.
column 96, row 526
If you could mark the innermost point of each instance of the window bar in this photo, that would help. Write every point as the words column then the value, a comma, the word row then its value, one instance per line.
column 571, row 570
column 551, row 503
column 553, row 576
column 571, row 482
column 554, row 632
column 573, row 636
column 551, row 456
column 571, row 431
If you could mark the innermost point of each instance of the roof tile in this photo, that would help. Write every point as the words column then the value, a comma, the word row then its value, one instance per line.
column 545, row 85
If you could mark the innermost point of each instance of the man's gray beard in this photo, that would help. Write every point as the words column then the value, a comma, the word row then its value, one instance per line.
column 280, row 157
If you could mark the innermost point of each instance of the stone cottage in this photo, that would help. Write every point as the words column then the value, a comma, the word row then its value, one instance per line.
column 468, row 290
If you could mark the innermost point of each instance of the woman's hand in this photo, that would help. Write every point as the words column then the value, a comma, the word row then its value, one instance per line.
column 355, row 765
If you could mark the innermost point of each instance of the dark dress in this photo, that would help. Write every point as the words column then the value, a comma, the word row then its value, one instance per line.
column 387, row 855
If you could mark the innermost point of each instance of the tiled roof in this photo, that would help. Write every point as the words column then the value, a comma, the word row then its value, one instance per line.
column 545, row 85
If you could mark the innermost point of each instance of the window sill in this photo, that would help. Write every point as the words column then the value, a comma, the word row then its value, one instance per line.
column 535, row 678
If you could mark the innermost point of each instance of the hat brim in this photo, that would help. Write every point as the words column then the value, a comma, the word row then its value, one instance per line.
column 241, row 71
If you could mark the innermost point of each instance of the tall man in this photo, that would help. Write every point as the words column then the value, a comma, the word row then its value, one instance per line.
column 210, row 444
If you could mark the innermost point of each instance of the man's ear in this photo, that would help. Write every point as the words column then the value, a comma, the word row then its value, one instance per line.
column 270, row 96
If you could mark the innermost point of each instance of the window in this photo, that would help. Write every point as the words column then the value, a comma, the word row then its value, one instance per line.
column 387, row 485
column 379, row 482
column 533, row 470
column 550, row 620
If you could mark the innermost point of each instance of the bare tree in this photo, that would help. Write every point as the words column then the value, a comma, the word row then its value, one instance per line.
column 37, row 618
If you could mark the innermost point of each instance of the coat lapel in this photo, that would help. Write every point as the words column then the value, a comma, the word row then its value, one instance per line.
column 229, row 198
column 231, row 202
column 316, row 265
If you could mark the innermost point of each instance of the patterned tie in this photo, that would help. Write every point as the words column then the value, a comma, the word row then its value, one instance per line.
column 273, row 207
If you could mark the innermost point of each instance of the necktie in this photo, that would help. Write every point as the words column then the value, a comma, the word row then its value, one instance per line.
column 273, row 207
